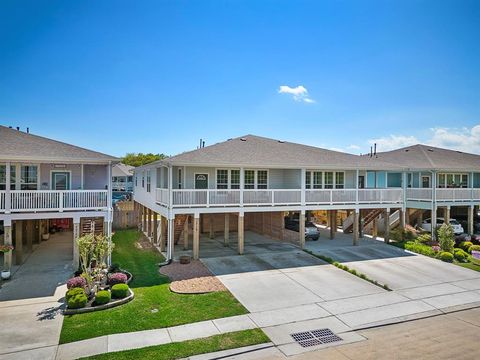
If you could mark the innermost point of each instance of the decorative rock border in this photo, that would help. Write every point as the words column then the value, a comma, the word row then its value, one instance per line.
column 109, row 305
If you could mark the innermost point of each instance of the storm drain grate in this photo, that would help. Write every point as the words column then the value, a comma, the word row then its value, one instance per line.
column 315, row 337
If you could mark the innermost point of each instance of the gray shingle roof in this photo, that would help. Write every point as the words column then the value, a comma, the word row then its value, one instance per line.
column 431, row 158
column 258, row 151
column 122, row 170
column 20, row 146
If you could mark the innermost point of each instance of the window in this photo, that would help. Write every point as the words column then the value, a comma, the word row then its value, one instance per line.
column 262, row 179
column 3, row 177
column 180, row 178
column 317, row 179
column 339, row 180
column 235, row 179
column 130, row 178
column 143, row 179
column 329, row 180
column 222, row 179
column 28, row 177
column 148, row 181
column 249, row 179
column 452, row 180
column 308, row 180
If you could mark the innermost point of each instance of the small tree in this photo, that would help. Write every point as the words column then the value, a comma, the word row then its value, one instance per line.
column 446, row 238
column 93, row 247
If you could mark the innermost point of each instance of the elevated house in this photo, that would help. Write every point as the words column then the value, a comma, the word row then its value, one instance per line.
column 122, row 178
column 47, row 184
column 251, row 183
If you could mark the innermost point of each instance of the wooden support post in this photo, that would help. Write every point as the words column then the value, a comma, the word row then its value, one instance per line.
column 7, row 240
column 39, row 231
column 241, row 233
column 30, row 234
column 196, row 236
column 375, row 228
column 446, row 216
column 154, row 227
column 386, row 225
column 185, row 233
column 162, row 233
column 401, row 218
column 470, row 219
column 144, row 218
column 149, row 223
column 226, row 235
column 210, row 225
column 407, row 217
column 420, row 218
column 18, row 242
column 433, row 218
column 301, row 230
column 333, row 223
column 356, row 223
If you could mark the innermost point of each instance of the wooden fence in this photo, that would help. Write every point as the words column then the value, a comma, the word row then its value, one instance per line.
column 124, row 215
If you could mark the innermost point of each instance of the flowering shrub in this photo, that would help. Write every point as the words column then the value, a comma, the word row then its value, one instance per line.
column 76, row 282
column 117, row 278
column 6, row 248
column 436, row 248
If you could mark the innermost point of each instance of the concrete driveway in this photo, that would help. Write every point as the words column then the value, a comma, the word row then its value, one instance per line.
column 292, row 291
column 30, row 306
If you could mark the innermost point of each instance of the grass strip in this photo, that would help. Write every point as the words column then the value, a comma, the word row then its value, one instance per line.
column 184, row 349
column 347, row 269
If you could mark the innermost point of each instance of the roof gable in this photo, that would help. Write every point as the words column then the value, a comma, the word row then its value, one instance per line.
column 20, row 146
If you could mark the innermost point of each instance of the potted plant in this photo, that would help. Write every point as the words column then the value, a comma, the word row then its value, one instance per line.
column 46, row 236
column 5, row 272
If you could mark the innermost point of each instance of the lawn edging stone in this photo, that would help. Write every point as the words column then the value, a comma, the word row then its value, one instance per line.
column 109, row 305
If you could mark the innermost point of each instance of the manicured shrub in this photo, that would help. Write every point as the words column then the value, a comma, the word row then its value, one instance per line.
column 419, row 248
column 474, row 248
column 446, row 238
column 119, row 291
column 76, row 298
column 102, row 297
column 465, row 245
column 117, row 278
column 425, row 239
column 76, row 282
column 460, row 255
column 445, row 256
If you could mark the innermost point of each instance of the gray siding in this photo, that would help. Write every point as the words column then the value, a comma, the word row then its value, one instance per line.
column 95, row 177
column 46, row 178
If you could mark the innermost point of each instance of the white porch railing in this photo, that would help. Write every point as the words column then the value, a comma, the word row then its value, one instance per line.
column 444, row 195
column 276, row 197
column 54, row 200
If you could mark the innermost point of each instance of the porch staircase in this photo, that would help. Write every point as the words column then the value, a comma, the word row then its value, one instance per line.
column 178, row 227
column 371, row 215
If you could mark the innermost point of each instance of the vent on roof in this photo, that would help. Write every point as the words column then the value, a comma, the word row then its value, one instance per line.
column 281, row 141
column 243, row 139
column 431, row 150
column 407, row 150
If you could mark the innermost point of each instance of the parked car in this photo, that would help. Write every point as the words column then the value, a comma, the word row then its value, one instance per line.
column 311, row 231
column 457, row 228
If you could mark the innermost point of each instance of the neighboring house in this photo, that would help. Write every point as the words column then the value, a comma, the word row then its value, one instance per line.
column 122, row 177
column 46, row 183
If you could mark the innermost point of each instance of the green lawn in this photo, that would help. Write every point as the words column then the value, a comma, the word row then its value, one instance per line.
column 154, row 305
column 188, row 348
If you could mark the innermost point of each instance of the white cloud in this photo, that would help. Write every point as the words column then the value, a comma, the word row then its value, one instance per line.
column 353, row 147
column 299, row 93
column 463, row 139
column 392, row 142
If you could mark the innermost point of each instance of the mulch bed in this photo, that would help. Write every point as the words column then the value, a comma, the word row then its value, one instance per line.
column 193, row 278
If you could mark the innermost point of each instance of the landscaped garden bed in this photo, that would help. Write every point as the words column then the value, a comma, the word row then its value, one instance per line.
column 154, row 305
column 445, row 248
column 96, row 286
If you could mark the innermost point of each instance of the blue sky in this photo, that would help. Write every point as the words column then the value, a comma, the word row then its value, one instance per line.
column 156, row 76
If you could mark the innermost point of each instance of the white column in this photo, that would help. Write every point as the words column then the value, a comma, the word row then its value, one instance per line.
column 301, row 229
column 242, row 185
column 82, row 180
column 356, row 186
column 241, row 233
column 7, row 189
column 76, row 235
column 196, row 236
column 434, row 221
column 470, row 219
column 356, row 222
column 170, row 239
column 303, row 180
